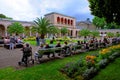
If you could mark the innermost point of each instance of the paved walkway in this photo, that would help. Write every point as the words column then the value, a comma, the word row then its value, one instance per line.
column 11, row 57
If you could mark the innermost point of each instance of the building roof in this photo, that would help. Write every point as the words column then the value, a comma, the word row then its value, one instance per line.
column 3, row 19
column 87, row 21
column 80, row 27
column 58, row 14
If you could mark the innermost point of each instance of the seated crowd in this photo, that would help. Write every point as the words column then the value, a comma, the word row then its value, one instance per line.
column 91, row 44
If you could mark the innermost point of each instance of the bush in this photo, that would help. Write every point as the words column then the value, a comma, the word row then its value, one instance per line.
column 30, row 39
column 89, row 73
column 111, row 58
column 103, row 63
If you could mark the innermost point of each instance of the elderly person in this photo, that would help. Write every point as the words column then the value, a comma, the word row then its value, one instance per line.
column 37, row 55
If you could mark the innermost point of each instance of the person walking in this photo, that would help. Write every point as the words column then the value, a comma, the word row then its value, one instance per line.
column 38, row 40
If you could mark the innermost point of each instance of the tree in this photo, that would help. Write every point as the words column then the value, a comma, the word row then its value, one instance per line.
column 41, row 26
column 113, row 25
column 33, row 29
column 110, row 34
column 64, row 30
column 16, row 28
column 95, row 33
column 109, row 9
column 99, row 22
column 53, row 30
column 84, row 32
column 4, row 16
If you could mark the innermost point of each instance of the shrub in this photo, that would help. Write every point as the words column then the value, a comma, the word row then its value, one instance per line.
column 90, row 61
column 89, row 73
column 103, row 63
column 30, row 39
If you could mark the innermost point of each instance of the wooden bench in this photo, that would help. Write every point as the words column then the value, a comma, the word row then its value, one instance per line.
column 49, row 51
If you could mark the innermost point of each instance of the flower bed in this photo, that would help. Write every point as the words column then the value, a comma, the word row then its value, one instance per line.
column 87, row 67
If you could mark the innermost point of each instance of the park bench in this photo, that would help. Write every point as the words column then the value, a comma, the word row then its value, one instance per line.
column 17, row 45
column 1, row 42
column 49, row 51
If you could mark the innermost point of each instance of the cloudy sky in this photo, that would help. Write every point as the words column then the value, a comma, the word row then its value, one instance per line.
column 28, row 10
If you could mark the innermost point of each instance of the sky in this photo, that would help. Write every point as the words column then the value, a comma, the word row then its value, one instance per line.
column 29, row 10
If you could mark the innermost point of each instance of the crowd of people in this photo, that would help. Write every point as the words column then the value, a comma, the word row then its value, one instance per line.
column 87, row 44
column 11, row 41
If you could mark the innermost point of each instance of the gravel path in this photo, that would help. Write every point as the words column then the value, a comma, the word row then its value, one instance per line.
column 11, row 57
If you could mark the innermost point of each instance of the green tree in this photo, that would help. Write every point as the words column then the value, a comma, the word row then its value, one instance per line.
column 53, row 30
column 16, row 28
column 4, row 16
column 109, row 9
column 117, row 34
column 112, row 25
column 42, row 26
column 99, row 22
column 64, row 30
column 84, row 32
column 33, row 29
column 95, row 33
column 110, row 34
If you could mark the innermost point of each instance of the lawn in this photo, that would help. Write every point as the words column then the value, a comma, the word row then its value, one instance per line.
column 111, row 72
column 50, row 70
column 44, row 71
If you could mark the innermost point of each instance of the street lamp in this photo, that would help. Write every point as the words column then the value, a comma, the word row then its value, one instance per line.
column 114, row 16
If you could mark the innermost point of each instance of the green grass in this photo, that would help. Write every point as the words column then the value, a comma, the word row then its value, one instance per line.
column 111, row 72
column 44, row 71
column 50, row 70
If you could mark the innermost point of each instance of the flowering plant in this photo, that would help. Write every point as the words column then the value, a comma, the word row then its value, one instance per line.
column 114, row 48
column 90, row 60
column 104, row 53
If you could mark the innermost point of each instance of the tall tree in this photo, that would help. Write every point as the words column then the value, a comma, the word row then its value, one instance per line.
column 84, row 32
column 99, row 22
column 109, row 9
column 16, row 28
column 110, row 34
column 64, row 30
column 53, row 30
column 42, row 25
column 94, row 33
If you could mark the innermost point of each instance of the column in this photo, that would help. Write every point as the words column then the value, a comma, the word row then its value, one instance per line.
column 6, row 33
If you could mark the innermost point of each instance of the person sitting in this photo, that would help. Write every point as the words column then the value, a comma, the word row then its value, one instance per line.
column 58, row 51
column 51, row 44
column 58, row 44
column 48, row 54
column 19, row 40
column 66, row 48
column 6, row 41
column 36, row 54
column 78, row 43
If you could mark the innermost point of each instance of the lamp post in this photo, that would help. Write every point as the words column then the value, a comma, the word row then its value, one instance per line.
column 114, row 16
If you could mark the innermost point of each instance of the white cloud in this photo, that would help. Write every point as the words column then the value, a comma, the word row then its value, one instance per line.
column 17, row 9
column 30, row 9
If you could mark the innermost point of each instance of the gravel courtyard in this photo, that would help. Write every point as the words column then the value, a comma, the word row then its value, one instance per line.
column 11, row 57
